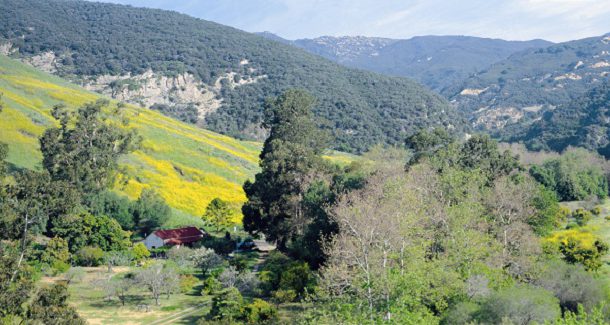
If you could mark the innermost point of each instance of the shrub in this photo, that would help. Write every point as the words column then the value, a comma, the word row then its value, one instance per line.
column 596, row 211
column 211, row 285
column 259, row 311
column 56, row 251
column 90, row 256
column 140, row 252
column 519, row 305
column 187, row 283
column 284, row 296
column 227, row 305
column 582, row 216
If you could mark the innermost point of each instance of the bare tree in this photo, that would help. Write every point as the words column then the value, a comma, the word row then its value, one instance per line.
column 158, row 280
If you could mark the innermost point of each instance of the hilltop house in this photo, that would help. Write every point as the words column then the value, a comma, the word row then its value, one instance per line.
column 174, row 237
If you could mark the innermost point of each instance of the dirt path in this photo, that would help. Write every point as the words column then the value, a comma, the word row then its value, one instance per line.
column 178, row 316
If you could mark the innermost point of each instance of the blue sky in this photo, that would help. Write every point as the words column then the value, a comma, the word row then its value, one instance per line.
column 555, row 20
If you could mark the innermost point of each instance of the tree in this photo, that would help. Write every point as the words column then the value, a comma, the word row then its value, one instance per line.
column 140, row 252
column 227, row 305
column 218, row 213
column 116, row 206
column 205, row 259
column 158, row 280
column 121, row 288
column 56, row 250
column 289, row 162
column 426, row 143
column 51, row 307
column 85, row 148
column 150, row 211
column 84, row 229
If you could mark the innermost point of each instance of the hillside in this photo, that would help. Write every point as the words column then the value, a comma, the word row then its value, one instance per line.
column 528, row 83
column 219, row 74
column 584, row 122
column 189, row 166
column 435, row 61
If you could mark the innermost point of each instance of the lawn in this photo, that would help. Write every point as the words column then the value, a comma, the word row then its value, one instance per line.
column 90, row 301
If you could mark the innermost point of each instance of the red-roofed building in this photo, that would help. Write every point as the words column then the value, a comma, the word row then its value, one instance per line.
column 174, row 237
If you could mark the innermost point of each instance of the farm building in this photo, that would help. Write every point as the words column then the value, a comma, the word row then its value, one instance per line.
column 174, row 237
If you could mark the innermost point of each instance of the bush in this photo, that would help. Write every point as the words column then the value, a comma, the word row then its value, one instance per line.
column 259, row 311
column 187, row 283
column 519, row 305
column 140, row 252
column 227, row 305
column 90, row 256
column 211, row 285
column 284, row 296
column 582, row 216
column 596, row 211
column 572, row 285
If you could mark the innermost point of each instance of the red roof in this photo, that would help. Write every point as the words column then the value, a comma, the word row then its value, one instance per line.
column 180, row 235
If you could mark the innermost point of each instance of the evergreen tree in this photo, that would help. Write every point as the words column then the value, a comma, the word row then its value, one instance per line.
column 289, row 163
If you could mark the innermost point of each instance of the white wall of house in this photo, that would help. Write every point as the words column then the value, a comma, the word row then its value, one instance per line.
column 153, row 241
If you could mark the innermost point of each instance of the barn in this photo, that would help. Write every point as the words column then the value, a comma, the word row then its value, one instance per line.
column 174, row 237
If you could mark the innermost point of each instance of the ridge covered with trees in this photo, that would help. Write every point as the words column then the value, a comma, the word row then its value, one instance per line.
column 91, row 39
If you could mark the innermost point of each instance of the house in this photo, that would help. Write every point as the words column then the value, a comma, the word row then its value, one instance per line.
column 173, row 237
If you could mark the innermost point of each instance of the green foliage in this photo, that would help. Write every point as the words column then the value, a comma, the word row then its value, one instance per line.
column 51, row 307
column 298, row 278
column 116, row 206
column 84, row 229
column 185, row 113
column 360, row 108
column 290, row 156
column 85, row 148
column 580, row 122
column 187, row 283
column 259, row 312
column 89, row 256
column 140, row 252
column 576, row 175
column 150, row 211
column 206, row 259
column 548, row 212
column 426, row 143
column 520, row 305
column 56, row 251
column 582, row 216
column 581, row 317
column 211, row 286
column 227, row 305
column 219, row 213
column 572, row 285
column 590, row 256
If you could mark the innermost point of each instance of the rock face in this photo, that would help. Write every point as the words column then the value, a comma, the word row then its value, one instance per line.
column 150, row 88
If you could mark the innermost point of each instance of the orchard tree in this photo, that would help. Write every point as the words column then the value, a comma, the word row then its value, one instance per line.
column 158, row 280
column 290, row 161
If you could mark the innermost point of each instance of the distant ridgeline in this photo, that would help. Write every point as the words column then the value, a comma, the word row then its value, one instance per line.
column 213, row 75
column 522, row 88
column 438, row 62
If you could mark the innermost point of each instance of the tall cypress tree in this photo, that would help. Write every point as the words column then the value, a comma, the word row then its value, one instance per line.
column 290, row 161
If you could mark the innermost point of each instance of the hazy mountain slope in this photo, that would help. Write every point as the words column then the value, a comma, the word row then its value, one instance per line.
column 189, row 166
column 436, row 61
column 152, row 56
column 528, row 83
column 584, row 122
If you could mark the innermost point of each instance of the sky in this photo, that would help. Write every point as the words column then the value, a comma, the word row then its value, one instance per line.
column 553, row 20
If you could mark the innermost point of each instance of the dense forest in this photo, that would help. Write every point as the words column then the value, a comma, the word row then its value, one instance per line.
column 580, row 123
column 534, row 81
column 91, row 39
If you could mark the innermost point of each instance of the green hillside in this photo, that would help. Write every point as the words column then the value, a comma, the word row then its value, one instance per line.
column 86, row 40
column 189, row 166
column 522, row 87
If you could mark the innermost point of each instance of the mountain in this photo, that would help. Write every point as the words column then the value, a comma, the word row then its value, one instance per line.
column 584, row 122
column 217, row 75
column 527, row 84
column 436, row 61
column 187, row 165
